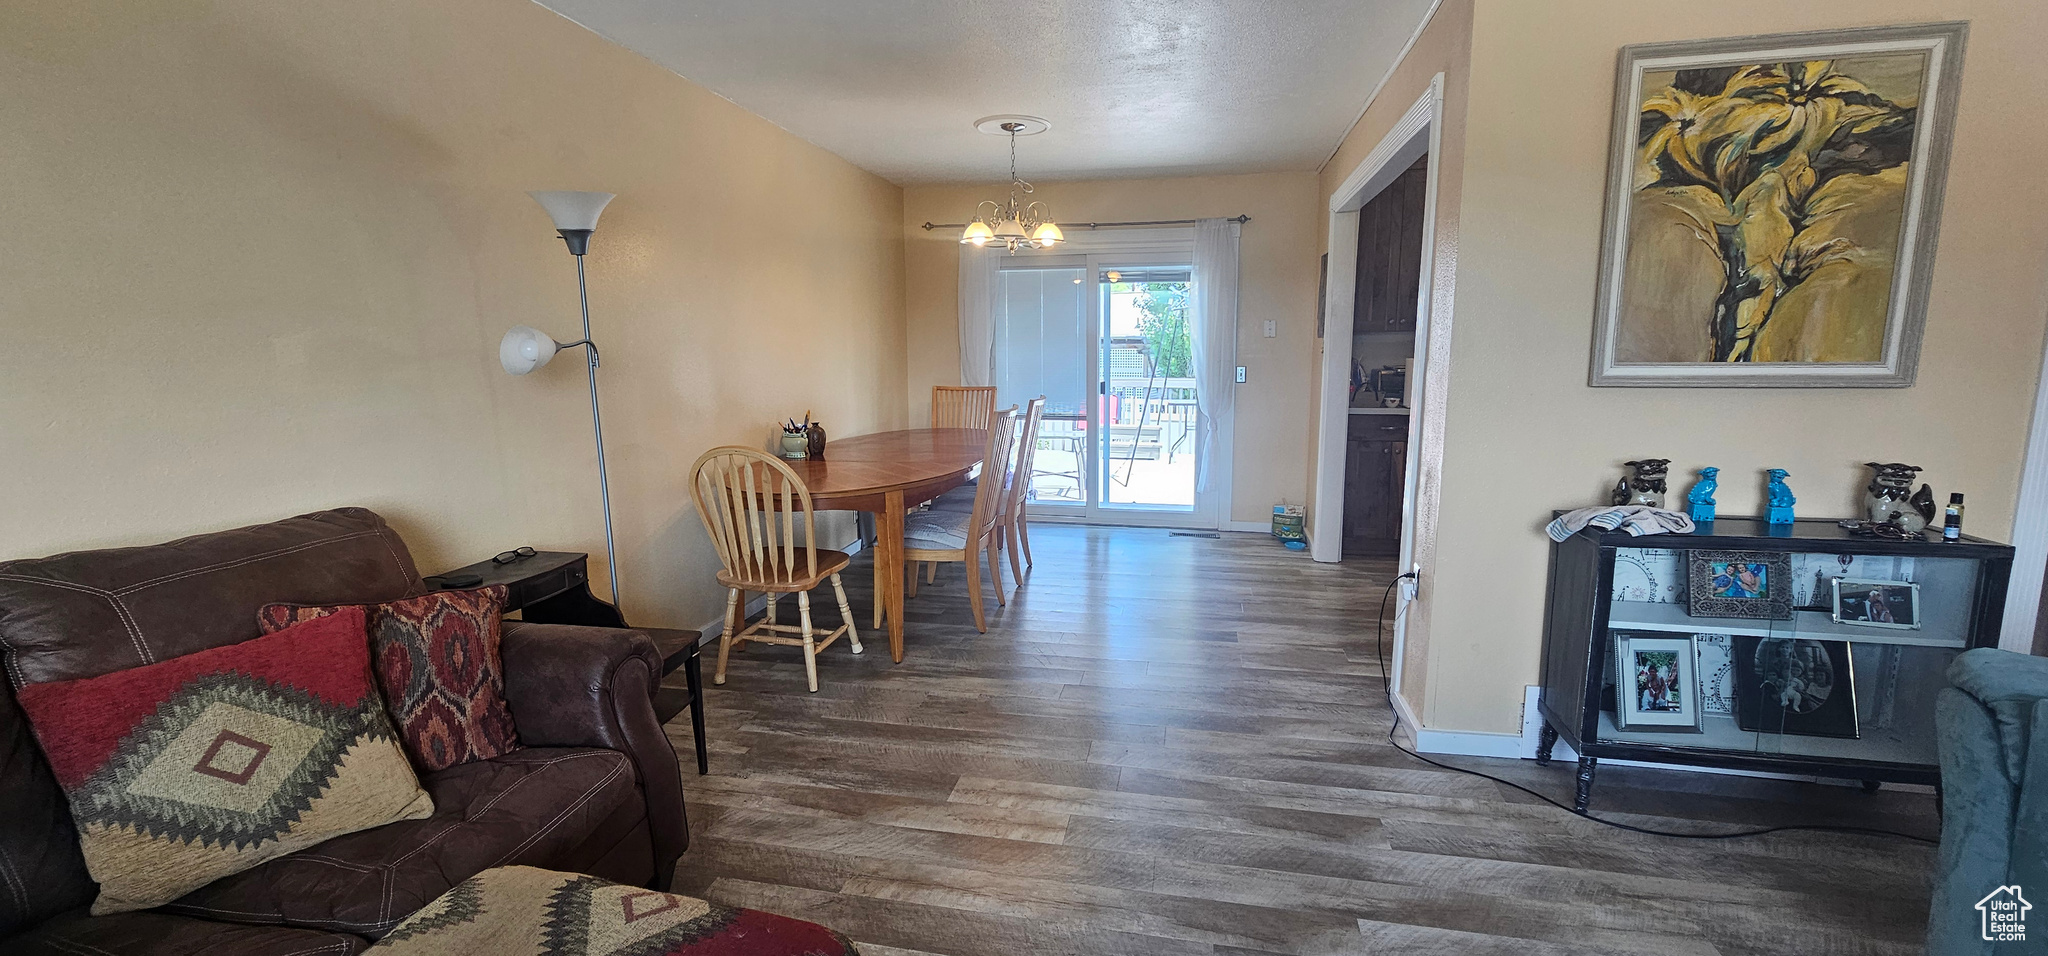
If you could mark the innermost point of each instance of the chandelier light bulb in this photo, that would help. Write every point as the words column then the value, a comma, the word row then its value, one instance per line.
column 978, row 233
column 1048, row 235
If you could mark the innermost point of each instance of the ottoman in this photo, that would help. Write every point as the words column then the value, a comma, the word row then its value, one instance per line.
column 523, row 911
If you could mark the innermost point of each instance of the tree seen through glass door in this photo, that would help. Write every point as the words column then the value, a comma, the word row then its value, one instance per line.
column 1149, row 393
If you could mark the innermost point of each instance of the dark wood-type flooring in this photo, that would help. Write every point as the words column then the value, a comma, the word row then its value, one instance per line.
column 1177, row 745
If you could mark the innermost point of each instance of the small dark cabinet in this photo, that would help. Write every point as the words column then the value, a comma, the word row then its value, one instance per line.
column 1390, row 254
column 1807, row 694
column 1375, row 466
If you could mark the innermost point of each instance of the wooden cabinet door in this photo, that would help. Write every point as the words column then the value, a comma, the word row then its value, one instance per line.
column 1375, row 470
column 1390, row 254
column 1372, row 498
column 1397, row 482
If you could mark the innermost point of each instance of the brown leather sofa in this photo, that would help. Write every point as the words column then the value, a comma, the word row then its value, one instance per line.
column 596, row 788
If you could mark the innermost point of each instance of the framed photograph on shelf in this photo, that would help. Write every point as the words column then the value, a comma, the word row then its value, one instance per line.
column 1867, row 603
column 1655, row 685
column 1791, row 686
column 1740, row 584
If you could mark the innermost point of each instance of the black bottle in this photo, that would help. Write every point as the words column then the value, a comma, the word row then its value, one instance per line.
column 1952, row 519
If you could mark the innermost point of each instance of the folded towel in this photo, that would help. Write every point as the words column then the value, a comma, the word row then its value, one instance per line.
column 1634, row 519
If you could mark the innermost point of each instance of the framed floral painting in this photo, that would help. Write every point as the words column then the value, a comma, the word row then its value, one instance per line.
column 1772, row 205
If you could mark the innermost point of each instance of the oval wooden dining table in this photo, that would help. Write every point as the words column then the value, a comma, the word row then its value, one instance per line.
column 883, row 474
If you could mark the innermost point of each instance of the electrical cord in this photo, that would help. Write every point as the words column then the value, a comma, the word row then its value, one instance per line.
column 1379, row 653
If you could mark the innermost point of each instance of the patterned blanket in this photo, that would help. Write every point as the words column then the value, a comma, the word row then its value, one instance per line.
column 522, row 911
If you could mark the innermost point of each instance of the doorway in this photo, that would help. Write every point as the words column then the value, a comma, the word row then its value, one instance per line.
column 1107, row 338
column 1415, row 136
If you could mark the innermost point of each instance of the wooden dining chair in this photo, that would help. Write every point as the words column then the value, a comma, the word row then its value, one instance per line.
column 1010, row 532
column 751, row 503
column 1011, row 535
column 946, row 535
column 962, row 406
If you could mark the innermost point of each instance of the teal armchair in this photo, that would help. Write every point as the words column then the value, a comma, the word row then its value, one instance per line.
column 1992, row 724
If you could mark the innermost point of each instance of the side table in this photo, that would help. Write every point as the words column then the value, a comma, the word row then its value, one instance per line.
column 553, row 587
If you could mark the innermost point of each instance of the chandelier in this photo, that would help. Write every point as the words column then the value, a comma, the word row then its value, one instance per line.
column 1016, row 226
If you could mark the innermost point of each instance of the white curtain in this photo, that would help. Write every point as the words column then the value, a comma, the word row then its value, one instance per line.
column 1214, row 333
column 977, row 315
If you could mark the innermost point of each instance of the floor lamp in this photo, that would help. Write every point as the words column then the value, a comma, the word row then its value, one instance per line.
column 526, row 348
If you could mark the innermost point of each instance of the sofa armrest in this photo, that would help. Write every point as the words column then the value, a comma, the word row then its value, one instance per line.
column 2008, row 685
column 160, row 934
column 1977, row 804
column 573, row 686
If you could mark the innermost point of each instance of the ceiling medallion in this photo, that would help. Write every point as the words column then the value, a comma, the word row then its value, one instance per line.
column 1015, row 226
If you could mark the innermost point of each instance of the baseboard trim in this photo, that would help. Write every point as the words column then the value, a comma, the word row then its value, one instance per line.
column 1254, row 526
column 1469, row 744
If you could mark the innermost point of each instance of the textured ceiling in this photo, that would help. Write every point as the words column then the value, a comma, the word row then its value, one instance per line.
column 1132, row 87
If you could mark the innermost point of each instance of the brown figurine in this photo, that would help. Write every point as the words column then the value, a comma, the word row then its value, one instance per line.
column 1890, row 499
column 1645, row 486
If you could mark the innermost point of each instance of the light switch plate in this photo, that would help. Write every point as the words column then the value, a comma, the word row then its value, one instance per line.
column 1272, row 328
column 1240, row 375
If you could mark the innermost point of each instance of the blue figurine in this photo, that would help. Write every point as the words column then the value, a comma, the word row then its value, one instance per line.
column 1781, row 497
column 1702, row 496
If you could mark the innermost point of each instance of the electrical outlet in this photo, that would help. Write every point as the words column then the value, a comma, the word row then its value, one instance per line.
column 1272, row 328
column 1240, row 375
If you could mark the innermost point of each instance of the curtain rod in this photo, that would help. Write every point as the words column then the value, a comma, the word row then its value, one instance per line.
column 1240, row 220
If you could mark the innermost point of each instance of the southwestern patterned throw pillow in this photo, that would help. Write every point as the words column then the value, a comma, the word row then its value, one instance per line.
column 522, row 911
column 438, row 664
column 191, row 769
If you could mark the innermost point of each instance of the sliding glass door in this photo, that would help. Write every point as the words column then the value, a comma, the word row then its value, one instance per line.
column 1107, row 340
column 1147, row 377
column 1042, row 344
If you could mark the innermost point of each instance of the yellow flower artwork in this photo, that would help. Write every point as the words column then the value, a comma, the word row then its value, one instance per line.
column 1767, row 215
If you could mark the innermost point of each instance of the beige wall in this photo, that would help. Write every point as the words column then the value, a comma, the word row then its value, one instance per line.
column 1277, row 281
column 1525, row 434
column 1443, row 47
column 260, row 256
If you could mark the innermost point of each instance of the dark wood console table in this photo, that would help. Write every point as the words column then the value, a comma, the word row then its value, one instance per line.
column 553, row 587
column 1805, row 692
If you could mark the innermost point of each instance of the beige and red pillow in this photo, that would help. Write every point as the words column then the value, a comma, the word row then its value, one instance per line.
column 523, row 911
column 438, row 663
column 188, row 770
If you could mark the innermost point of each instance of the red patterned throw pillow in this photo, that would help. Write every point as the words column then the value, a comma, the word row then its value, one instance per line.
column 195, row 768
column 437, row 661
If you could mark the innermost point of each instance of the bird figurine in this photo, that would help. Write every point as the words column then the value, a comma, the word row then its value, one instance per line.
column 1781, row 499
column 1701, row 497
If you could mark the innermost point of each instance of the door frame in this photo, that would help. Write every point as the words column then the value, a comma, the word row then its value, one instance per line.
column 2024, row 594
column 1123, row 246
column 1418, row 133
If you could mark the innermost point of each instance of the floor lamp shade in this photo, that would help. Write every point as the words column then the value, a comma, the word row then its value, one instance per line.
column 572, row 210
column 526, row 348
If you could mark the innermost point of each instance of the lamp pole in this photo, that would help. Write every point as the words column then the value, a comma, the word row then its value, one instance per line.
column 604, row 485
column 575, row 214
